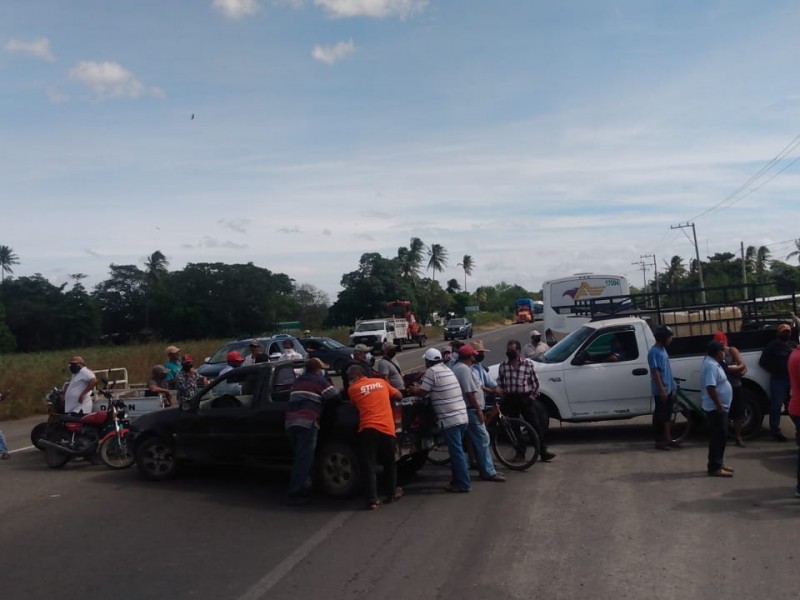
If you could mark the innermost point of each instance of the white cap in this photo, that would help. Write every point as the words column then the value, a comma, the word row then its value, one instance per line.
column 432, row 355
column 535, row 333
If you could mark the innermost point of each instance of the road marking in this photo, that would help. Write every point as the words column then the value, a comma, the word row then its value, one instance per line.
column 21, row 449
column 290, row 562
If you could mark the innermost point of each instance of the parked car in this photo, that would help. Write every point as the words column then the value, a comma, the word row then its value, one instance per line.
column 238, row 419
column 269, row 345
column 328, row 350
column 457, row 328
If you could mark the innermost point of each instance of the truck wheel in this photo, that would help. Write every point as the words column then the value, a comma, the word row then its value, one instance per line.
column 752, row 414
column 409, row 465
column 338, row 469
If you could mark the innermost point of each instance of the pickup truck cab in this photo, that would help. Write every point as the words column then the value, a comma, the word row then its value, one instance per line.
column 599, row 372
column 238, row 419
column 373, row 333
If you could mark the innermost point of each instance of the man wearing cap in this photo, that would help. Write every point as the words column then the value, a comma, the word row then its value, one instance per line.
column 774, row 360
column 441, row 385
column 488, row 385
column 234, row 360
column 77, row 398
column 308, row 394
column 716, row 394
column 173, row 363
column 187, row 381
column 255, row 350
column 536, row 347
column 388, row 369
column 361, row 358
column 475, row 401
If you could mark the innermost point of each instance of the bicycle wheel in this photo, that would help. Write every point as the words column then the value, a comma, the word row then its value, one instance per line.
column 680, row 422
column 439, row 454
column 515, row 443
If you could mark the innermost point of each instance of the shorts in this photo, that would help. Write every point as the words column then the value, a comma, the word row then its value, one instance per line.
column 662, row 412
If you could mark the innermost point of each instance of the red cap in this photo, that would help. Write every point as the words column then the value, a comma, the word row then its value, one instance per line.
column 721, row 338
column 467, row 350
column 187, row 359
column 235, row 356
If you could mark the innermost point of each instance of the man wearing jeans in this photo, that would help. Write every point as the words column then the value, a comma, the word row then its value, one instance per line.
column 307, row 395
column 475, row 402
column 774, row 359
column 441, row 385
column 794, row 406
column 717, row 395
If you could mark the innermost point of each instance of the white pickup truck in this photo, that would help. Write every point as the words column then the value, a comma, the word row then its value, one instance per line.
column 578, row 382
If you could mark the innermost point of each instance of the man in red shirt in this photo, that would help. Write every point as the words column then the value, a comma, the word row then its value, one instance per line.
column 794, row 405
column 372, row 397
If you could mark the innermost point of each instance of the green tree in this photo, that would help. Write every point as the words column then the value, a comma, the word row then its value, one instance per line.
column 437, row 259
column 155, row 270
column 7, row 260
column 7, row 341
column 121, row 298
column 796, row 252
column 79, row 316
column 33, row 307
column 468, row 265
column 452, row 286
column 311, row 305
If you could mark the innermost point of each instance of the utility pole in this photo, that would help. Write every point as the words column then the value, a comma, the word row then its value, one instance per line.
column 643, row 266
column 696, row 255
column 744, row 271
column 655, row 269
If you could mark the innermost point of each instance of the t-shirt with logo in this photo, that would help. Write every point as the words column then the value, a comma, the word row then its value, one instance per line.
column 372, row 397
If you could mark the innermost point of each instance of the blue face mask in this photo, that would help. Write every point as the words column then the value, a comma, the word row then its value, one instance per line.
column 74, row 368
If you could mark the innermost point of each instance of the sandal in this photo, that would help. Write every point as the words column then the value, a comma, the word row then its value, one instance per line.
column 374, row 505
column 398, row 493
column 454, row 489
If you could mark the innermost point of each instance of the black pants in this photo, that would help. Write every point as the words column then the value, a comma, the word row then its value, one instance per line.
column 377, row 447
column 796, row 421
column 520, row 405
column 717, row 437
column 662, row 413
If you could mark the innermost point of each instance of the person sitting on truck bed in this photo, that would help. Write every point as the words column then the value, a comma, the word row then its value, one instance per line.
column 306, row 398
column 774, row 360
column 373, row 397
column 663, row 387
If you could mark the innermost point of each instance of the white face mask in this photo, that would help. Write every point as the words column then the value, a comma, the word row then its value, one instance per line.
column 368, row 357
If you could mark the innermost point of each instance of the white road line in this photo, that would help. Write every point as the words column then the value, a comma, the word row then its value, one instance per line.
column 21, row 449
column 290, row 562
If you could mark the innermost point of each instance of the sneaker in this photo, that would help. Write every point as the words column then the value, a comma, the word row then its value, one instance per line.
column 547, row 456
column 720, row 473
column 727, row 468
column 496, row 477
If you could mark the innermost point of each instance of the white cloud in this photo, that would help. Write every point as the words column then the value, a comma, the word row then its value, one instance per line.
column 111, row 80
column 237, row 9
column 38, row 48
column 332, row 54
column 209, row 242
column 237, row 225
column 378, row 9
column 294, row 229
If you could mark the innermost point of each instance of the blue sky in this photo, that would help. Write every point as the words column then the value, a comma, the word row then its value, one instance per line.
column 541, row 138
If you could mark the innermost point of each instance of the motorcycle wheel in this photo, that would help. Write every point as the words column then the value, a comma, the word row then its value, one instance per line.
column 37, row 433
column 116, row 454
column 54, row 458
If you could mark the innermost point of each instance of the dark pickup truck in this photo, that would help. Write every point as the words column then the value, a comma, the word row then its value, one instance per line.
column 238, row 419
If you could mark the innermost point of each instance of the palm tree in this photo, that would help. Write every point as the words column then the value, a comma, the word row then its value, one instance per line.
column 7, row 260
column 437, row 259
column 675, row 272
column 795, row 252
column 468, row 265
column 155, row 268
column 762, row 262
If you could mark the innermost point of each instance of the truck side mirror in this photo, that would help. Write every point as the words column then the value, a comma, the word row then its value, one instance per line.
column 581, row 358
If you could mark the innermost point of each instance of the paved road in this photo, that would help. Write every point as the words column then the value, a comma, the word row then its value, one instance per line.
column 609, row 518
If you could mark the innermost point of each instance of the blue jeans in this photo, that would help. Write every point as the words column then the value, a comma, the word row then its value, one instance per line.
column 3, row 446
column 304, row 443
column 458, row 460
column 480, row 442
column 778, row 394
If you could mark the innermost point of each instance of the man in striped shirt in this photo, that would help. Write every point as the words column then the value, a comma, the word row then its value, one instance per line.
column 441, row 385
column 517, row 381
column 306, row 397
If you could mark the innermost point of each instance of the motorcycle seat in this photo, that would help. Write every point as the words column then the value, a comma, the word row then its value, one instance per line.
column 95, row 418
column 70, row 418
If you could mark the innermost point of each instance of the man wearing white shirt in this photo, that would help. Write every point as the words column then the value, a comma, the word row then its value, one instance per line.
column 78, row 397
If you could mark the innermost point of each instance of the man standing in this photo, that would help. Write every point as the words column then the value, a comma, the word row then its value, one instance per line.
column 308, row 394
column 448, row 404
column 173, row 363
column 794, row 405
column 662, row 386
column 255, row 350
column 475, row 402
column 536, row 347
column 376, row 432
column 77, row 398
column 516, row 379
column 717, row 394
column 234, row 360
column 388, row 368
column 774, row 360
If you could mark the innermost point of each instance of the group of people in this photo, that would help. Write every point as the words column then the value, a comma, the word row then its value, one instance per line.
column 721, row 392
column 456, row 383
column 176, row 379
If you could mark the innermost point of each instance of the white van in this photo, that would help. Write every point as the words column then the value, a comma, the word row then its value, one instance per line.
column 560, row 295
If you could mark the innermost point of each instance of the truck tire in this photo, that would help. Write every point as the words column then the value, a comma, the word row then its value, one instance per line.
column 338, row 469
column 752, row 413
column 408, row 465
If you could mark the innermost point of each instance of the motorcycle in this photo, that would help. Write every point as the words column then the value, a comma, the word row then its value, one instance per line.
column 55, row 408
column 104, row 432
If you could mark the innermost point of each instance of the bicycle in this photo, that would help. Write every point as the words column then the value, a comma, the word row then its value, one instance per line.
column 514, row 442
column 685, row 413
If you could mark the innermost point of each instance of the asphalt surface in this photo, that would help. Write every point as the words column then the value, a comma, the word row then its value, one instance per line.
column 609, row 518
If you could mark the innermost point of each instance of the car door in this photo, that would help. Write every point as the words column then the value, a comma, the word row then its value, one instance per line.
column 270, row 442
column 599, row 386
column 219, row 430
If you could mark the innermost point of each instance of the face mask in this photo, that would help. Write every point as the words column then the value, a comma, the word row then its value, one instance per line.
column 480, row 357
column 511, row 354
column 368, row 357
column 75, row 368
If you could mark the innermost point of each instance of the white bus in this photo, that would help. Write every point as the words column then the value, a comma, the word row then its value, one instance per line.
column 560, row 295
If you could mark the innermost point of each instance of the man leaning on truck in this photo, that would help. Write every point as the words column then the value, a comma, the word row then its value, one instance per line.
column 663, row 386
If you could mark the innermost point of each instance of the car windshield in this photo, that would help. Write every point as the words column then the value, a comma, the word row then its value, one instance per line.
column 564, row 349
column 241, row 346
column 331, row 344
column 456, row 322
column 374, row 326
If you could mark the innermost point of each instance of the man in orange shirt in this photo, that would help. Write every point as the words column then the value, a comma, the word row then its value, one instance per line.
column 372, row 397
